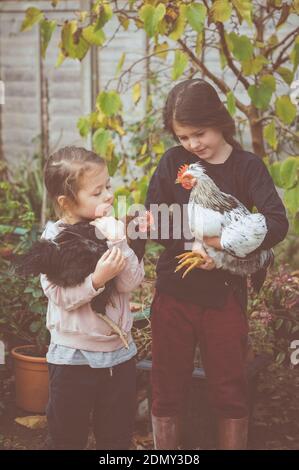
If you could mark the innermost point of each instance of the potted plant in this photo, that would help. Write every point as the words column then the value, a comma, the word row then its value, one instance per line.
column 24, row 330
column 32, row 380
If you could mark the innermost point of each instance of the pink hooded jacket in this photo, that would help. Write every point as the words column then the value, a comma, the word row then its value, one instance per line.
column 70, row 318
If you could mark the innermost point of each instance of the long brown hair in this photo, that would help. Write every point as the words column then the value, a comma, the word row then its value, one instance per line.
column 195, row 102
column 64, row 170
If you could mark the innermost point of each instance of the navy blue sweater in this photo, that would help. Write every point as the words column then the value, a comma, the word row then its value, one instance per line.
column 245, row 176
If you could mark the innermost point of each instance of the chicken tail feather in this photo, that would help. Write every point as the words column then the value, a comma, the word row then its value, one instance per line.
column 39, row 259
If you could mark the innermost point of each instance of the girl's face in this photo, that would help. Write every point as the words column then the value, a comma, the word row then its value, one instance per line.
column 95, row 193
column 205, row 142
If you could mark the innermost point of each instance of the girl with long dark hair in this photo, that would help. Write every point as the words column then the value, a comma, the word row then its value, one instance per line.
column 209, row 305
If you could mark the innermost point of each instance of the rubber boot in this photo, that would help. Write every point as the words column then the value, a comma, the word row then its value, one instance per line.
column 233, row 433
column 165, row 432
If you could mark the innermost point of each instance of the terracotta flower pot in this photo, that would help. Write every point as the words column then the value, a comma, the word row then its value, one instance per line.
column 32, row 380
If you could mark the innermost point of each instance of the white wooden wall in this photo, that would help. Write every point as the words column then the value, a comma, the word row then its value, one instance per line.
column 70, row 85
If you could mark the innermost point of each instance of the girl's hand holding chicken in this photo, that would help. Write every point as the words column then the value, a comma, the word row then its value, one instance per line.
column 109, row 265
column 208, row 263
column 214, row 242
column 200, row 259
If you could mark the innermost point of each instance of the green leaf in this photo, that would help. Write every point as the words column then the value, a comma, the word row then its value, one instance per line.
column 46, row 29
column 94, row 36
column 151, row 16
column 295, row 55
column 241, row 47
column 272, row 41
column 270, row 136
column 161, row 50
column 159, row 148
column 278, row 323
column 260, row 95
column 83, row 14
column 286, row 74
column 274, row 170
column 179, row 25
column 254, row 66
column 244, row 8
column 199, row 43
column 37, row 308
column 120, row 64
column 223, row 60
column 105, row 13
column 33, row 16
column 221, row 10
column 296, row 226
column 289, row 172
column 83, row 125
column 269, row 81
column 291, row 199
column 112, row 165
column 35, row 326
column 231, row 104
column 143, row 161
column 136, row 92
column 37, row 293
column 72, row 42
column 60, row 59
column 196, row 15
column 229, row 41
column 28, row 290
column 124, row 21
column 280, row 357
column 285, row 109
column 180, row 64
column 109, row 102
column 100, row 141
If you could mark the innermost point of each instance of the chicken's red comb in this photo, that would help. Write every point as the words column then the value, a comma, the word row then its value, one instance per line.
column 181, row 171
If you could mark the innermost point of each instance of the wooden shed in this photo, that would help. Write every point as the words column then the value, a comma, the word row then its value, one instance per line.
column 42, row 102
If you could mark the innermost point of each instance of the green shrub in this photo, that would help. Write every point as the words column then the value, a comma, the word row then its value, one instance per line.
column 274, row 314
column 22, row 310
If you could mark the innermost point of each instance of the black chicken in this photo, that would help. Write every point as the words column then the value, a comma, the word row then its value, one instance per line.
column 71, row 256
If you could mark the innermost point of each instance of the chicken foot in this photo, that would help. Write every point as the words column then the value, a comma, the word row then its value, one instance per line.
column 122, row 334
column 190, row 259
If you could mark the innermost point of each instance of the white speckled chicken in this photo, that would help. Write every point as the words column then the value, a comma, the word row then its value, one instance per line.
column 212, row 213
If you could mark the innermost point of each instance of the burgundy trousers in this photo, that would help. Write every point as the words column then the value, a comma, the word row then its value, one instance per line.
column 177, row 327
